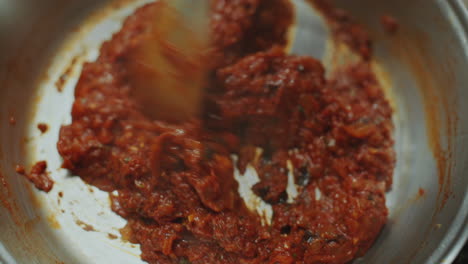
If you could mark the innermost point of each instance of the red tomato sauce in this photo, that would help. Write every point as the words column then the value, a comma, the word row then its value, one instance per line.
column 38, row 176
column 175, row 182
column 43, row 127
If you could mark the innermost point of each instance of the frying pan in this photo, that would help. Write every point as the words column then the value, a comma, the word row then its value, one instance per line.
column 43, row 45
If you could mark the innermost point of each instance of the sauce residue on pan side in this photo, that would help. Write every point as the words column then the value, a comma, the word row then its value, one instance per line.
column 412, row 47
column 38, row 176
column 12, row 121
column 345, row 29
column 61, row 81
column 20, row 169
column 6, row 199
column 440, row 114
column 86, row 227
column 389, row 24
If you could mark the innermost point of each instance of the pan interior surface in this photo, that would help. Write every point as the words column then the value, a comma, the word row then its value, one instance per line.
column 421, row 68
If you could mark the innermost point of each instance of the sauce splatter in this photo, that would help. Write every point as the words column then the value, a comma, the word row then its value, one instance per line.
column 5, row 198
column 12, row 121
column 421, row 192
column 38, row 176
column 60, row 83
column 345, row 29
column 112, row 236
column 390, row 24
column 20, row 169
column 42, row 127
column 86, row 227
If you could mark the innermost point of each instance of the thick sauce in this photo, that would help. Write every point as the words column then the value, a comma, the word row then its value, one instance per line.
column 175, row 181
column 38, row 176
column 43, row 127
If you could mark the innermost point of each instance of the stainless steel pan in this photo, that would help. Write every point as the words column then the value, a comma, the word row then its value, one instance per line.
column 424, row 66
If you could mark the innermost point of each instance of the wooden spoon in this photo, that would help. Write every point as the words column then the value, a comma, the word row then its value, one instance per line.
column 166, row 66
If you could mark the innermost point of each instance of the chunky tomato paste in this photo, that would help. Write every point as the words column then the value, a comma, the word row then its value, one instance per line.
column 38, row 176
column 174, row 182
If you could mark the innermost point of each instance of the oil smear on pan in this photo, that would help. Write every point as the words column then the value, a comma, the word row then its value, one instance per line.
column 413, row 48
column 6, row 197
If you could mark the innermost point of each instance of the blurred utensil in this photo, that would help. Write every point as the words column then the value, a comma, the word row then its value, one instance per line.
column 166, row 66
